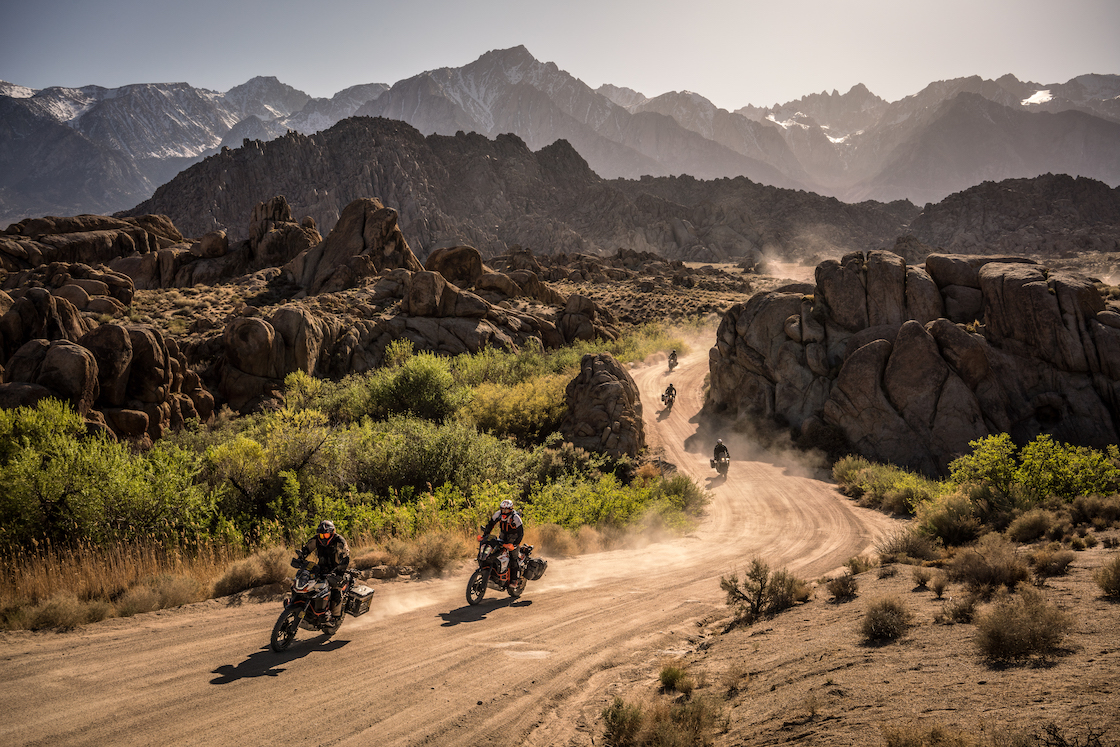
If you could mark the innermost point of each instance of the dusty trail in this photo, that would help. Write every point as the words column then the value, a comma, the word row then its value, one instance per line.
column 423, row 667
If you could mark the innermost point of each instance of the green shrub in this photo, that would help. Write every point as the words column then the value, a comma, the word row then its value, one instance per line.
column 846, row 472
column 526, row 411
column 885, row 619
column 1047, row 562
column 843, row 587
column 1108, row 577
column 951, row 518
column 992, row 462
column 991, row 563
column 1029, row 526
column 1051, row 468
column 622, row 722
column 762, row 592
column 676, row 679
column 908, row 543
column 1021, row 626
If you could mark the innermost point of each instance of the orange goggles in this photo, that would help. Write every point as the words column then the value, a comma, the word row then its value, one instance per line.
column 325, row 535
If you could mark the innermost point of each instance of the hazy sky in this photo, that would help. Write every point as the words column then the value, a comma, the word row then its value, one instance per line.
column 734, row 53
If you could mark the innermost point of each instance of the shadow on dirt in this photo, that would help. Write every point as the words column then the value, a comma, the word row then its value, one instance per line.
column 268, row 663
column 470, row 614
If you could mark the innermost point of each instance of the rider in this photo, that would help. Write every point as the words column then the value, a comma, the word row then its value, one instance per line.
column 333, row 554
column 673, row 357
column 670, row 391
column 511, row 534
column 721, row 450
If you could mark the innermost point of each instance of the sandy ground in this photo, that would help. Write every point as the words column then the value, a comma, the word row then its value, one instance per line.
column 424, row 668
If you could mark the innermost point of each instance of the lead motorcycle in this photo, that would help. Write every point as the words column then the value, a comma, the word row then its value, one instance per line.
column 720, row 465
column 308, row 604
column 493, row 569
column 668, row 400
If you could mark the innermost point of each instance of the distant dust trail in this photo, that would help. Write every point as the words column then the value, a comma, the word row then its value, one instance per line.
column 423, row 667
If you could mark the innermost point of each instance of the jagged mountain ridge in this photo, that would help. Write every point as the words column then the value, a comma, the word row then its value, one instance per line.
column 852, row 146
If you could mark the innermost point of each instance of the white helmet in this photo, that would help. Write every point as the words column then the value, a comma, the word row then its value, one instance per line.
column 506, row 505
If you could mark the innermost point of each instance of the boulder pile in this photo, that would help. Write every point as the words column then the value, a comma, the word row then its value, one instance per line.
column 911, row 363
column 604, row 409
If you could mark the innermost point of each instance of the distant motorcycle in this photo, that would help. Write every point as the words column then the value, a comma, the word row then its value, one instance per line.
column 308, row 604
column 720, row 465
column 493, row 569
column 672, row 361
column 668, row 400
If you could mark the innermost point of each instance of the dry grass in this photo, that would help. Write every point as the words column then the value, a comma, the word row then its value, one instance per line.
column 1108, row 577
column 843, row 587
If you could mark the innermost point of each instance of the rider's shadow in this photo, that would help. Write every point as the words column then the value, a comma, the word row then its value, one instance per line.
column 478, row 612
column 716, row 480
column 665, row 412
column 266, row 662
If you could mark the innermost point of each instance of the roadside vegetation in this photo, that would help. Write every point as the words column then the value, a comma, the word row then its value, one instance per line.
column 407, row 460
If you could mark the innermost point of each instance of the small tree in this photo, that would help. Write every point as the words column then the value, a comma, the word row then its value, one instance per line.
column 762, row 592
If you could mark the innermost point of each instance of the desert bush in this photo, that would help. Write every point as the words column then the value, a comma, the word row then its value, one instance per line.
column 762, row 592
column 843, row 587
column 526, row 411
column 857, row 564
column 1108, row 577
column 556, row 540
column 62, row 611
column 269, row 566
column 883, row 486
column 622, row 722
column 1020, row 626
column 1048, row 562
column 921, row 576
column 958, row 610
column 735, row 677
column 1029, row 526
column 890, row 570
column 138, row 600
column 691, row 722
column 434, row 552
column 908, row 543
column 886, row 618
column 992, row 462
column 939, row 584
column 676, row 679
column 846, row 473
column 992, row 562
column 1100, row 511
column 950, row 518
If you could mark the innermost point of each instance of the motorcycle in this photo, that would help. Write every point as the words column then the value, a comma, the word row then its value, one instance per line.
column 308, row 604
column 668, row 400
column 672, row 362
column 720, row 465
column 493, row 570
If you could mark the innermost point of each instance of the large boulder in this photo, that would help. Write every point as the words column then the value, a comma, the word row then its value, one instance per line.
column 1013, row 348
column 604, row 409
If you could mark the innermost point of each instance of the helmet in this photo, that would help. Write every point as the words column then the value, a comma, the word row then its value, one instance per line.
column 325, row 530
column 506, row 506
column 719, row 442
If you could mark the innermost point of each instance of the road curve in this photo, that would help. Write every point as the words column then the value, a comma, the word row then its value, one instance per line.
column 423, row 668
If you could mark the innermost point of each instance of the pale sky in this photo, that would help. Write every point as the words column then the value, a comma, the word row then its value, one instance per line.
column 733, row 53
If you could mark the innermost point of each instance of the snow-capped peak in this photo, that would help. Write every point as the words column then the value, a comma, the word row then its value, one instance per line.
column 1039, row 97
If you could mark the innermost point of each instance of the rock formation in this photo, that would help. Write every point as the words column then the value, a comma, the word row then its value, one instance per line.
column 912, row 363
column 604, row 409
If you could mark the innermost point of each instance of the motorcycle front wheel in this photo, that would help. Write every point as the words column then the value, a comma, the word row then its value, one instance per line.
column 476, row 587
column 284, row 631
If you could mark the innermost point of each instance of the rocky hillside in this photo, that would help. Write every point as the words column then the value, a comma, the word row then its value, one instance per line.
column 908, row 364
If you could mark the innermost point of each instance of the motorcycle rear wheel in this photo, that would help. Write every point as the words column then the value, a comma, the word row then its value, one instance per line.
column 476, row 587
column 284, row 631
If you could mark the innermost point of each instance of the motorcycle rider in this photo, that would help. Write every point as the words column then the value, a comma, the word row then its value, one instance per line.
column 673, row 358
column 333, row 554
column 721, row 450
column 512, row 531
column 670, row 391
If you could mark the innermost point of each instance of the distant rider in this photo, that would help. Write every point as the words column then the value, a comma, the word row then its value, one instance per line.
column 512, row 531
column 670, row 391
column 721, row 450
column 673, row 358
column 333, row 554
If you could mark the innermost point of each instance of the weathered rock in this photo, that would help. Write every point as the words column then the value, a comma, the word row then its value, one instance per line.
column 460, row 265
column 111, row 346
column 604, row 409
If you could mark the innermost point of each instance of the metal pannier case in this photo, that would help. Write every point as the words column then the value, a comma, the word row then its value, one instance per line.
column 358, row 599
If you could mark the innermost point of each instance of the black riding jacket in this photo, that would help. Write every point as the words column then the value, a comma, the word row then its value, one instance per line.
column 721, row 451
column 333, row 555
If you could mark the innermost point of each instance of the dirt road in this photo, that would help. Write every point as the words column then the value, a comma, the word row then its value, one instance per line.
column 423, row 668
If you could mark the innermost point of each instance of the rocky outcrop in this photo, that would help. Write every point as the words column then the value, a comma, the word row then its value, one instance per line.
column 604, row 409
column 365, row 241
column 89, row 239
column 911, row 364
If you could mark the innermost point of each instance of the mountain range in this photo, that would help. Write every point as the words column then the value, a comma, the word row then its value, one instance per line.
column 94, row 149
